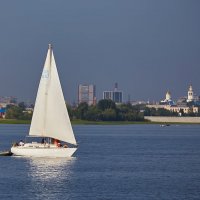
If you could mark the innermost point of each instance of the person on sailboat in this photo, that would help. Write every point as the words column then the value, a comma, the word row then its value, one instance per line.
column 43, row 141
column 56, row 142
column 59, row 144
column 21, row 143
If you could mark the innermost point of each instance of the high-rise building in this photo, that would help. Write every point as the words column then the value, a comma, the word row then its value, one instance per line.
column 87, row 94
column 108, row 95
column 116, row 95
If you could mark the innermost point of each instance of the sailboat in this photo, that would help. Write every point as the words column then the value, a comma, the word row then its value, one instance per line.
column 50, row 121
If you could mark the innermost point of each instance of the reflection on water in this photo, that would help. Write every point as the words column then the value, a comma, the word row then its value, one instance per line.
column 49, row 175
column 50, row 168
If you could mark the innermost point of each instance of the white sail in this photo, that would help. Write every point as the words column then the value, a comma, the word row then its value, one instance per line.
column 50, row 116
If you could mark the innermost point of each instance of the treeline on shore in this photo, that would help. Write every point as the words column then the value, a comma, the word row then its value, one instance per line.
column 105, row 110
column 18, row 112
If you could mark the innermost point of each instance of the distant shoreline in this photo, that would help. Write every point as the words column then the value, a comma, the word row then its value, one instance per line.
column 163, row 119
column 84, row 122
column 75, row 122
column 14, row 121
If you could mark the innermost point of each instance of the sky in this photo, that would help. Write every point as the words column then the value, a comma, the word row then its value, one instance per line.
column 146, row 46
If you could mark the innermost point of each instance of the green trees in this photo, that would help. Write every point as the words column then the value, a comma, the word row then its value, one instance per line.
column 14, row 112
column 108, row 115
column 93, row 113
column 81, row 111
column 127, row 112
column 106, row 110
column 17, row 112
column 106, row 104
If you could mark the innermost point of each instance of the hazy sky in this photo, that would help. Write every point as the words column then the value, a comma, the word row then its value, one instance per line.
column 147, row 46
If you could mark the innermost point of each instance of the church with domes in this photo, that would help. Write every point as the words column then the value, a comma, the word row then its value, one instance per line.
column 187, row 104
column 167, row 100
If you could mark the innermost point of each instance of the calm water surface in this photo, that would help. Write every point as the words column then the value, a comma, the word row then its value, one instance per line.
column 112, row 162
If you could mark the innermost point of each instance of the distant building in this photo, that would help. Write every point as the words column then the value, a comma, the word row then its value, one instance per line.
column 156, row 106
column 168, row 99
column 2, row 112
column 4, row 101
column 108, row 95
column 185, row 109
column 87, row 94
column 8, row 100
column 134, row 103
column 186, row 105
column 28, row 110
column 192, row 97
column 182, row 101
column 174, row 108
column 116, row 95
column 190, row 94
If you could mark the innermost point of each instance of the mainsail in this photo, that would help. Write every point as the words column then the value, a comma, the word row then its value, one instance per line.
column 50, row 116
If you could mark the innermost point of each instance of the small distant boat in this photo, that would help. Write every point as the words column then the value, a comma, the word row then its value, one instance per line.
column 163, row 125
column 50, row 119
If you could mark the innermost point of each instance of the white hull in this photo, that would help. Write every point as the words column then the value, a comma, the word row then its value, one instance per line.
column 42, row 151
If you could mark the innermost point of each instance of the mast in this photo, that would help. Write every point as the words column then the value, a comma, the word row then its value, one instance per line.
column 50, row 51
column 48, row 60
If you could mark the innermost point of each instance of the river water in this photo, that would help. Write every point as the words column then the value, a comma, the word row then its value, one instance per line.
column 112, row 162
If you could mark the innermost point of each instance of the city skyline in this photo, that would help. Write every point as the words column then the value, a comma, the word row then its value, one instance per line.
column 90, row 91
column 148, row 47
